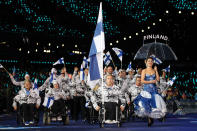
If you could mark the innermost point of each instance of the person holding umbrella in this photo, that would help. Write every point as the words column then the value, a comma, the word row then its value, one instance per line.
column 149, row 103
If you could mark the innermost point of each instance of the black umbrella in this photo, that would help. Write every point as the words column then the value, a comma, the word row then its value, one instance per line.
column 160, row 50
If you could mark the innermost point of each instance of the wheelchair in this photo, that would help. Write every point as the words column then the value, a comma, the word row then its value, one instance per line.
column 49, row 116
column 20, row 116
column 92, row 115
column 102, row 116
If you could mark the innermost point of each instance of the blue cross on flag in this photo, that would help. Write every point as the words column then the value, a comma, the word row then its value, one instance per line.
column 60, row 61
column 156, row 59
column 96, row 52
column 118, row 52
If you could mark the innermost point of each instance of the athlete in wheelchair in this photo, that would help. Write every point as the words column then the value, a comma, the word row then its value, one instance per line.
column 109, row 101
column 26, row 103
column 55, row 108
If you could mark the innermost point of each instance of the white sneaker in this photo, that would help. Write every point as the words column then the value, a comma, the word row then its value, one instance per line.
column 31, row 122
column 26, row 123
column 59, row 118
column 108, row 121
column 114, row 121
column 53, row 119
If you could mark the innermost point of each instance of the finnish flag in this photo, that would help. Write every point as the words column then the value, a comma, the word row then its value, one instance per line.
column 35, row 88
column 51, row 78
column 85, row 62
column 156, row 59
column 171, row 82
column 129, row 67
column 118, row 52
column 167, row 69
column 96, row 52
column 82, row 75
column 1, row 66
column 48, row 102
column 60, row 61
column 107, row 58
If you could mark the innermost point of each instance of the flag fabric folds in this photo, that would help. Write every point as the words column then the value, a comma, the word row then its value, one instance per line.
column 60, row 61
column 107, row 58
column 156, row 59
column 85, row 62
column 129, row 67
column 1, row 66
column 171, row 82
column 82, row 75
column 167, row 69
column 118, row 52
column 96, row 52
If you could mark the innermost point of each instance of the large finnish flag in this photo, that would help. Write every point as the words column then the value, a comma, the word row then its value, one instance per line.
column 107, row 58
column 60, row 61
column 96, row 52
column 156, row 59
column 118, row 52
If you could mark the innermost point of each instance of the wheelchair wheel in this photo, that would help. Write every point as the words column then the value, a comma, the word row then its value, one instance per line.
column 65, row 120
column 119, row 124
column 46, row 118
column 101, row 125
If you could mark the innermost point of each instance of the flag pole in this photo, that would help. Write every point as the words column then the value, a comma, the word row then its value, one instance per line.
column 6, row 70
column 64, row 67
column 121, row 64
column 113, row 63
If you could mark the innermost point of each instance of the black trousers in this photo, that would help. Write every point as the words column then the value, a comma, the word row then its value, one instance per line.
column 110, row 108
column 58, row 107
column 79, row 106
column 28, row 110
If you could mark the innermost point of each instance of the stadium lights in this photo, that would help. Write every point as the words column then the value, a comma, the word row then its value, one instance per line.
column 167, row 11
column 117, row 41
column 129, row 37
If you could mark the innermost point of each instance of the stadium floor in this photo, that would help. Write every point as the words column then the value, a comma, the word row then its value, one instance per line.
column 173, row 123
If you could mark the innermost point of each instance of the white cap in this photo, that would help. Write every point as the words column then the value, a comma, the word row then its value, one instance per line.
column 130, row 70
column 27, row 75
column 53, row 70
column 55, row 82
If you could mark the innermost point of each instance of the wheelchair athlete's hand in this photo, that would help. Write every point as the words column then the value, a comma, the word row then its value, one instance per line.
column 122, row 108
column 98, row 108
column 15, row 108
column 129, row 103
column 37, row 106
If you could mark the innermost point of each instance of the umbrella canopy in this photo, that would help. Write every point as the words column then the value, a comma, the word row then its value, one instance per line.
column 160, row 50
